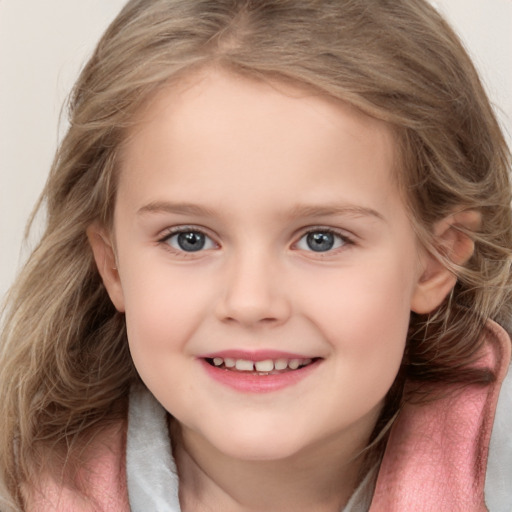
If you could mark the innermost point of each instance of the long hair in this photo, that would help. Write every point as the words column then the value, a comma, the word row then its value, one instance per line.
column 65, row 366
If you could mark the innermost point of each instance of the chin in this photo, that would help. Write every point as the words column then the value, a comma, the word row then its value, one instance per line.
column 259, row 447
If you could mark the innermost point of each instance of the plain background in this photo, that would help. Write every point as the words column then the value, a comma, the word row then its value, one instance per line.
column 43, row 45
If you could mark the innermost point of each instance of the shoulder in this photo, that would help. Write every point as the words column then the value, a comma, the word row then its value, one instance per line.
column 429, row 440
column 100, row 483
column 498, row 491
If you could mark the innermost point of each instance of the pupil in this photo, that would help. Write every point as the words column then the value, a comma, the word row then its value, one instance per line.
column 320, row 242
column 191, row 241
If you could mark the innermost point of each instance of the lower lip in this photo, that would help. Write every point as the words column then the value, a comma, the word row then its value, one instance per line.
column 247, row 382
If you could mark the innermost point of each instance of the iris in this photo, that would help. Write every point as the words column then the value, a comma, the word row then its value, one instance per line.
column 320, row 242
column 191, row 241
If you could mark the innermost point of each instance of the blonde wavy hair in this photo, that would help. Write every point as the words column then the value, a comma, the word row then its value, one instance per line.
column 65, row 366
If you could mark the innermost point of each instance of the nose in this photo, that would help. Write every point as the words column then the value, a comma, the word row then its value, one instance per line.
column 254, row 293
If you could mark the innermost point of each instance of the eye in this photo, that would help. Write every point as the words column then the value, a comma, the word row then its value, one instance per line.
column 322, row 241
column 189, row 241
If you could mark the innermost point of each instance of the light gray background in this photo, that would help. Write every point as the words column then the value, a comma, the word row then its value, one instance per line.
column 43, row 44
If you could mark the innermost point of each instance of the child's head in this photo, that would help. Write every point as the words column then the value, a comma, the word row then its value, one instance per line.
column 398, row 63
column 258, row 221
column 392, row 68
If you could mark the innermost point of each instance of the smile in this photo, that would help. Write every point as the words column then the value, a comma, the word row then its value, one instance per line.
column 265, row 367
column 261, row 373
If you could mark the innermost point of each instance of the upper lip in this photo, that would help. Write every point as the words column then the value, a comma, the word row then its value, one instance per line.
column 256, row 355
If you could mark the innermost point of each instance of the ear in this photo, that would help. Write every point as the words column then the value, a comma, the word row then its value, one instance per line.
column 104, row 255
column 436, row 281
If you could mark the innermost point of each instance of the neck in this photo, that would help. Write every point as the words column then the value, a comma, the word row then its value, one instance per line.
column 320, row 479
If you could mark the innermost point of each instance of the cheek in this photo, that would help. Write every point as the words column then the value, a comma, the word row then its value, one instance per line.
column 162, row 310
column 162, row 316
column 364, row 314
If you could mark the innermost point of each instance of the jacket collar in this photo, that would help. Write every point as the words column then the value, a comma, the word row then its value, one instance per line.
column 437, row 452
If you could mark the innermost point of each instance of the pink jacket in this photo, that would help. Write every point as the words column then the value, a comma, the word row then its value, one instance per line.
column 435, row 460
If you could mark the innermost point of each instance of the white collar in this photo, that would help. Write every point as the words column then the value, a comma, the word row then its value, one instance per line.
column 150, row 468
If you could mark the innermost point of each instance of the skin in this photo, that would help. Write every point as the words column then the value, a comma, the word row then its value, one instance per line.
column 258, row 166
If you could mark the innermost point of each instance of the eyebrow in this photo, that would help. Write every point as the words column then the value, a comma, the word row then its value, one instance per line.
column 335, row 209
column 178, row 208
column 309, row 211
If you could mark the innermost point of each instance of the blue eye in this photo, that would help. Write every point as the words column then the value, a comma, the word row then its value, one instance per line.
column 190, row 241
column 321, row 241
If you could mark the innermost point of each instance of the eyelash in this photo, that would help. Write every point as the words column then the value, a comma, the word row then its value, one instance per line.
column 171, row 232
column 342, row 236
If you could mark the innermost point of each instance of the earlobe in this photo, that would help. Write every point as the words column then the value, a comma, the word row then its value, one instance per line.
column 104, row 256
column 453, row 243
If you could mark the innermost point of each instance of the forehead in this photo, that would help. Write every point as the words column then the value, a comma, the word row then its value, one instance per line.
column 220, row 128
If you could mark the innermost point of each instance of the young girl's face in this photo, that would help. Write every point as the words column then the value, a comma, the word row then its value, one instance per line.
column 259, row 228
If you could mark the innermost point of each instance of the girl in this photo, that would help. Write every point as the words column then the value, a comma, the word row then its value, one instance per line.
column 275, row 273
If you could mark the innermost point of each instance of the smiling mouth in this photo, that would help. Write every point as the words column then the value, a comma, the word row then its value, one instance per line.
column 264, row 367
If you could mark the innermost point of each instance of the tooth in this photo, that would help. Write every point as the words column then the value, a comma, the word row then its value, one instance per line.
column 281, row 364
column 229, row 363
column 305, row 362
column 264, row 366
column 243, row 365
column 217, row 361
column 294, row 364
